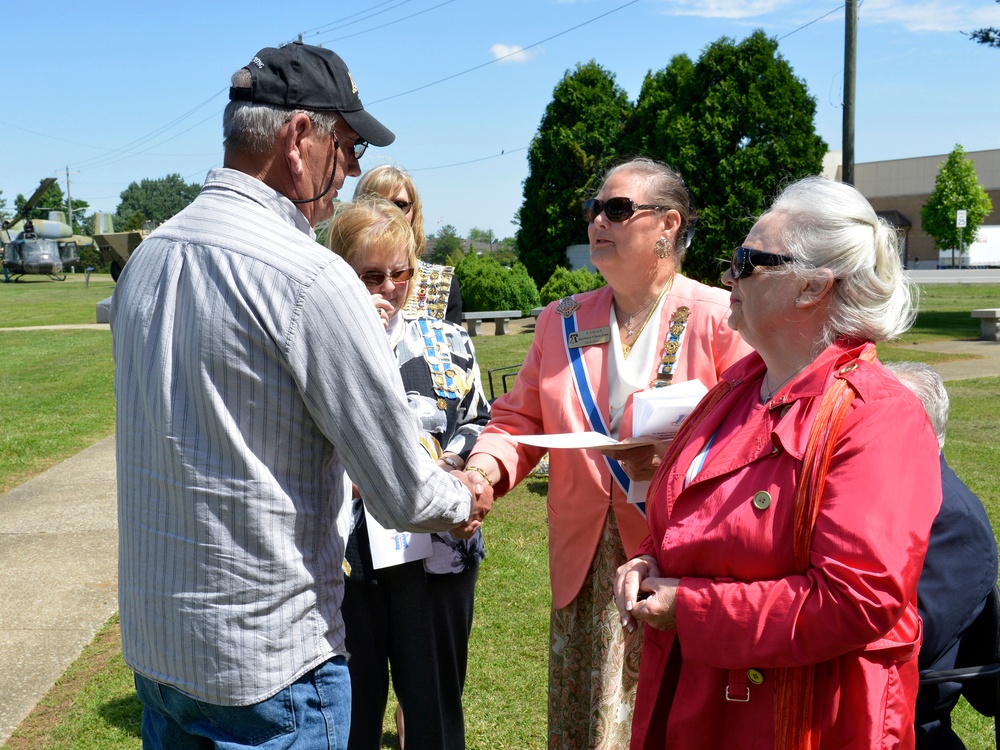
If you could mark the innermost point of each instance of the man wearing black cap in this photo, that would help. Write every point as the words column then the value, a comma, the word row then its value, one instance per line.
column 251, row 377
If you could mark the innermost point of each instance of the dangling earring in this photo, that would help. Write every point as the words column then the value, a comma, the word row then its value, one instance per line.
column 662, row 247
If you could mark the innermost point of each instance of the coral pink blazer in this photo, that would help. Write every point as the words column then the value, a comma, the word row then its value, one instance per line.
column 544, row 400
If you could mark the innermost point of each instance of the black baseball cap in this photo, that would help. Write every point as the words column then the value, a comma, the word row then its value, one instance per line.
column 303, row 76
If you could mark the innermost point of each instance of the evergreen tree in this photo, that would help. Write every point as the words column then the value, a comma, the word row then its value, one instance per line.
column 445, row 247
column 737, row 125
column 575, row 144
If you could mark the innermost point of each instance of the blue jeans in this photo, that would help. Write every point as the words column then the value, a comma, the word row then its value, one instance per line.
column 313, row 712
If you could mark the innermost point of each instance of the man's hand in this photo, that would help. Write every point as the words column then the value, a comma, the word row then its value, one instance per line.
column 482, row 502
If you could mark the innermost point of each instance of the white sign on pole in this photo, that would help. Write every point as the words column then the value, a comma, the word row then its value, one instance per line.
column 960, row 218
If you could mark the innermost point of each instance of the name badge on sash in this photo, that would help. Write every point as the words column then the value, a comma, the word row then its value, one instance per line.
column 588, row 337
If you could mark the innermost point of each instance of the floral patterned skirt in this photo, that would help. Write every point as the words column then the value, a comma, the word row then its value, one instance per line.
column 593, row 661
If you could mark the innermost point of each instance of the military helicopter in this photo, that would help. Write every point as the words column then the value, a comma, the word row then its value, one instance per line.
column 39, row 246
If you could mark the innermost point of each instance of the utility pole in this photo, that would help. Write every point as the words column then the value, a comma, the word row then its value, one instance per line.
column 69, row 200
column 850, row 65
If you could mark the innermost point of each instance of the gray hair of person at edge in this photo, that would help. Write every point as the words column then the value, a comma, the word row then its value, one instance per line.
column 250, row 128
column 666, row 188
column 928, row 386
column 831, row 225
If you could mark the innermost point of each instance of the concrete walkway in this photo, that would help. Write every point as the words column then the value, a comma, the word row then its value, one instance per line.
column 58, row 574
column 59, row 555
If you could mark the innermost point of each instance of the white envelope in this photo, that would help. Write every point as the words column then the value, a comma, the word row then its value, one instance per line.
column 658, row 413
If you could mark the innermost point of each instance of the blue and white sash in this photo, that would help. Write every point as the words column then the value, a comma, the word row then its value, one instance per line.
column 588, row 400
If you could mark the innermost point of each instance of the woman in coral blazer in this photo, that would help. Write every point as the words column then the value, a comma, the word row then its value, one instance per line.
column 591, row 352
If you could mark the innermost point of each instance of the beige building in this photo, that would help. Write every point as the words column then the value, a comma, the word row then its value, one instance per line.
column 899, row 188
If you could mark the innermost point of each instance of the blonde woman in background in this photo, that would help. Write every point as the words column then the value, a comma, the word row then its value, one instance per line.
column 414, row 617
column 434, row 289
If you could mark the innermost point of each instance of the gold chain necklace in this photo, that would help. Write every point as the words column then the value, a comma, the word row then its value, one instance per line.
column 631, row 338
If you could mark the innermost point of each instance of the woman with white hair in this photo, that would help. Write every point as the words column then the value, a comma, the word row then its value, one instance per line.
column 778, row 583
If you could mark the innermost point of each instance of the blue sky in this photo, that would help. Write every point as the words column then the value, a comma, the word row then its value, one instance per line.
column 117, row 92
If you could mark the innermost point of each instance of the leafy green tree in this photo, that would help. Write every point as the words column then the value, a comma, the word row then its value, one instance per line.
column 486, row 285
column 564, row 282
column 153, row 200
column 444, row 247
column 737, row 124
column 4, row 214
column 990, row 36
column 575, row 143
column 955, row 188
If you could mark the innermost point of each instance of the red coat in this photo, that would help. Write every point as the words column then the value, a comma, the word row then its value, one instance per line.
column 741, row 606
column 544, row 400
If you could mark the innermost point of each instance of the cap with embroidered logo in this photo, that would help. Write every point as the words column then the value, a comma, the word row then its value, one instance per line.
column 303, row 76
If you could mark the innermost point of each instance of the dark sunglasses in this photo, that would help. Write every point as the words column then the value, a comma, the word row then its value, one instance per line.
column 358, row 148
column 745, row 259
column 616, row 209
column 377, row 278
column 403, row 206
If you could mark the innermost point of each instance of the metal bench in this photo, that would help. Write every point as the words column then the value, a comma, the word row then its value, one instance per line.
column 988, row 320
column 500, row 317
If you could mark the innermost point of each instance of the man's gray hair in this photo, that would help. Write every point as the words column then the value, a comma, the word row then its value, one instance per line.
column 251, row 128
column 929, row 388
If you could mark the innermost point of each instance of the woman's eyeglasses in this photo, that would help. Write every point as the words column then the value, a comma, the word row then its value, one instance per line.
column 616, row 209
column 745, row 259
column 377, row 278
column 403, row 206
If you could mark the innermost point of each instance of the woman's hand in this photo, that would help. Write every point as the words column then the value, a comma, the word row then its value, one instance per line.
column 641, row 462
column 657, row 605
column 384, row 308
column 628, row 583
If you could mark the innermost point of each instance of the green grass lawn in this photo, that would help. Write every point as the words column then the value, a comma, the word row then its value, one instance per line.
column 57, row 399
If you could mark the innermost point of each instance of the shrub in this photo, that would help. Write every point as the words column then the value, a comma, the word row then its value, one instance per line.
column 486, row 285
column 563, row 283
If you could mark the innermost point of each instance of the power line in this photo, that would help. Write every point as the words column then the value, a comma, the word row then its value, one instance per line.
column 123, row 152
column 504, row 57
column 339, row 23
column 815, row 20
column 470, row 161
column 388, row 23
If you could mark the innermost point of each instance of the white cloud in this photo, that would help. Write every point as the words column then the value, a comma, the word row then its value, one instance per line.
column 733, row 9
column 510, row 53
column 931, row 15
column 919, row 16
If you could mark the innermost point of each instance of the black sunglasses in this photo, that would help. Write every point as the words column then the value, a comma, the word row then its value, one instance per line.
column 377, row 278
column 403, row 206
column 357, row 148
column 745, row 259
column 616, row 209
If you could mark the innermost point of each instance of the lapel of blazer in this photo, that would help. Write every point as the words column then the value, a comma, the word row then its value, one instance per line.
column 594, row 312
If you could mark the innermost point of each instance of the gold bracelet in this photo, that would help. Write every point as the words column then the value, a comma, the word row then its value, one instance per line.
column 480, row 471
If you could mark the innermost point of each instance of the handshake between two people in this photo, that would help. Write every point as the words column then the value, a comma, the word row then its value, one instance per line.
column 482, row 501
column 479, row 482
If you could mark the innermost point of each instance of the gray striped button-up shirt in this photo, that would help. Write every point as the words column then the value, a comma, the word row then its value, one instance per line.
column 251, row 376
